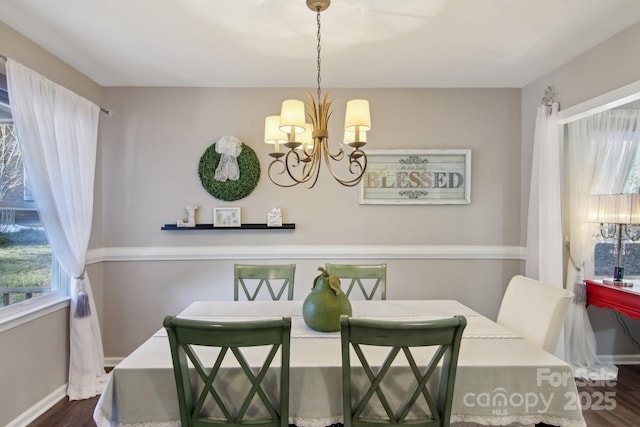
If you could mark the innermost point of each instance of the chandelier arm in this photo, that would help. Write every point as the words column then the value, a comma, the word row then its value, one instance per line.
column 316, row 173
column 314, row 149
column 312, row 184
column 337, row 156
column 309, row 169
column 292, row 160
column 346, row 182
column 359, row 162
column 271, row 165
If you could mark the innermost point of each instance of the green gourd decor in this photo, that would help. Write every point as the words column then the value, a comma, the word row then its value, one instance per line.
column 325, row 304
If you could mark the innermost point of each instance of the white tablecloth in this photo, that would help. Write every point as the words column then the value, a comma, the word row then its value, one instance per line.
column 501, row 378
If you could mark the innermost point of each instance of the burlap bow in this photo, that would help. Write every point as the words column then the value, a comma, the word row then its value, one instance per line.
column 229, row 148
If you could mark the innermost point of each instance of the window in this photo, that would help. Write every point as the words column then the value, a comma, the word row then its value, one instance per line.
column 29, row 273
column 604, row 254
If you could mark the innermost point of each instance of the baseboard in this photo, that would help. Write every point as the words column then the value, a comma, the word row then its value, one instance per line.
column 620, row 359
column 110, row 362
column 49, row 401
column 39, row 408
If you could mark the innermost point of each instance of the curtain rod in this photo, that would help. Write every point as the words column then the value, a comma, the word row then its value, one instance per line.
column 102, row 109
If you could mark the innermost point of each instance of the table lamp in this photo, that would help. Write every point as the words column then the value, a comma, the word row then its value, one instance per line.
column 620, row 210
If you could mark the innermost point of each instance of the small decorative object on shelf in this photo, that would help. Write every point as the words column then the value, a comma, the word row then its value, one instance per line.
column 325, row 304
column 226, row 217
column 274, row 218
column 191, row 217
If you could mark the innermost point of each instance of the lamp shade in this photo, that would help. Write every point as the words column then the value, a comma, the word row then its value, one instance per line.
column 614, row 208
column 292, row 116
column 272, row 132
column 357, row 115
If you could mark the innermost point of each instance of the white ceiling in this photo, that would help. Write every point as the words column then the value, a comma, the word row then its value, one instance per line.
column 272, row 43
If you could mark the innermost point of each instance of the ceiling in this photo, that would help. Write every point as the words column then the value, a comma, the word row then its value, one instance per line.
column 272, row 43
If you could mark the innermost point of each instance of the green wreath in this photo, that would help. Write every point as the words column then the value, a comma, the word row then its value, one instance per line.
column 229, row 191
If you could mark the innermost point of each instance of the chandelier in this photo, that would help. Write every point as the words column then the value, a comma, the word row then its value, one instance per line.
column 308, row 143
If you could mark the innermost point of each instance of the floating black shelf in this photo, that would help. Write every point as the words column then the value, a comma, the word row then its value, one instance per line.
column 289, row 226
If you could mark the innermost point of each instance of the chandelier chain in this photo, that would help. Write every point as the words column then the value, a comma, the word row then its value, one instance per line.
column 318, row 19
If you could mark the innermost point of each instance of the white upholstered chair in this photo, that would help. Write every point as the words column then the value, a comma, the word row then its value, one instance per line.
column 534, row 310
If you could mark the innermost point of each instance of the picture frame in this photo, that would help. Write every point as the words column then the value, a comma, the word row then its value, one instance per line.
column 417, row 177
column 227, row 217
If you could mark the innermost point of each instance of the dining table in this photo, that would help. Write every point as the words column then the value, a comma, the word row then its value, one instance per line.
column 501, row 377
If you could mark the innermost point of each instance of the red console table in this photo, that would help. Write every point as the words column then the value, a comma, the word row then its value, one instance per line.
column 626, row 300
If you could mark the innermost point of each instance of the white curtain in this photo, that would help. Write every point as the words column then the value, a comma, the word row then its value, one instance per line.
column 601, row 151
column 544, row 223
column 58, row 130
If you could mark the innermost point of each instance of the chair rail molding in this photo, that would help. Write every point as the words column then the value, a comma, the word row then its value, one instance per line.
column 188, row 253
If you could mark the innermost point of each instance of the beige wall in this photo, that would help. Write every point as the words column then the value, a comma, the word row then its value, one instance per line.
column 33, row 363
column 154, row 141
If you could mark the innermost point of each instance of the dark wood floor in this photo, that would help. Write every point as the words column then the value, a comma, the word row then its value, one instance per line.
column 75, row 413
column 604, row 405
column 615, row 404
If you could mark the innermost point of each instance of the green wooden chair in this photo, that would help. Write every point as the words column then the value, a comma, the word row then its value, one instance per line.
column 409, row 338
column 245, row 276
column 205, row 402
column 371, row 276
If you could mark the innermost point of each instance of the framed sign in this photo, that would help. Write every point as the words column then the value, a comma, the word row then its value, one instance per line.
column 414, row 177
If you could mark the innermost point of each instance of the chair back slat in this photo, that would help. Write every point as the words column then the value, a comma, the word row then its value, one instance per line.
column 251, row 279
column 370, row 279
column 410, row 339
column 192, row 343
